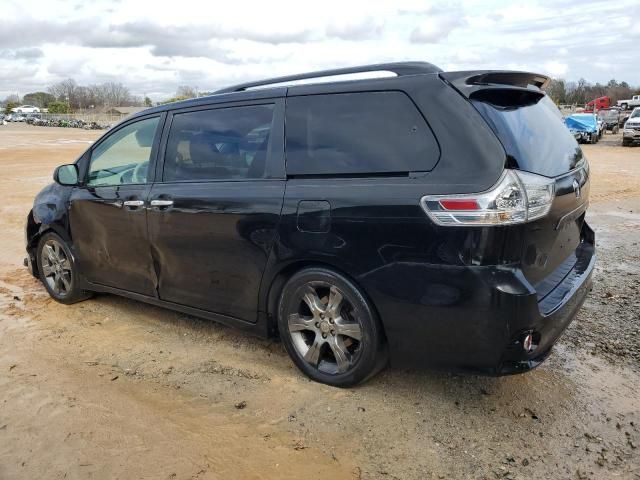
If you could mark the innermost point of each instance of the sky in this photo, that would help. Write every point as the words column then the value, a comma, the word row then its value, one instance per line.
column 154, row 46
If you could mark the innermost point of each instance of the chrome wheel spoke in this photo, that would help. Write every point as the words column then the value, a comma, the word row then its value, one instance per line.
column 56, row 283
column 298, row 323
column 313, row 301
column 351, row 330
column 65, row 283
column 47, row 270
column 340, row 353
column 313, row 354
column 335, row 302
column 51, row 254
column 65, row 264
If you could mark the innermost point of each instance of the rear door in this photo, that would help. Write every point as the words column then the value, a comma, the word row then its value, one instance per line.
column 213, row 214
column 107, row 214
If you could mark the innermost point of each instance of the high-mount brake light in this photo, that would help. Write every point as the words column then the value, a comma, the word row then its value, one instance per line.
column 518, row 197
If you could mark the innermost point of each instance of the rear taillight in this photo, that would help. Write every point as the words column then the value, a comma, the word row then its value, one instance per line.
column 518, row 197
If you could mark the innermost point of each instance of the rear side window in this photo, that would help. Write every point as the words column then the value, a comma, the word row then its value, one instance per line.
column 357, row 133
column 219, row 144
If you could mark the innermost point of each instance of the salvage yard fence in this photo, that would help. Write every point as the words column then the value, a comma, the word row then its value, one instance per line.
column 102, row 118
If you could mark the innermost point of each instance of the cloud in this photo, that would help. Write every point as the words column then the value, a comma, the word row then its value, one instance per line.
column 67, row 67
column 437, row 25
column 183, row 40
column 28, row 54
column 556, row 69
column 366, row 28
column 163, row 40
column 154, row 47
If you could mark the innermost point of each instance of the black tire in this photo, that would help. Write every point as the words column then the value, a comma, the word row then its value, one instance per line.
column 624, row 106
column 57, row 270
column 343, row 339
column 625, row 143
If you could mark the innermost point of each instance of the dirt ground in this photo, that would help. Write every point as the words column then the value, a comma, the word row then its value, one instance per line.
column 110, row 388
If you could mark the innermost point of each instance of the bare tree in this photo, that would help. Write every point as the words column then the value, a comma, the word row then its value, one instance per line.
column 13, row 98
column 64, row 90
column 115, row 94
column 557, row 90
column 186, row 91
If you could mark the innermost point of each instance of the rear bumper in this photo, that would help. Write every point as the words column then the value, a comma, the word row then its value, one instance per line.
column 475, row 318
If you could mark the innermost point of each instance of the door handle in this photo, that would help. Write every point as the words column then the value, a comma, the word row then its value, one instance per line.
column 161, row 204
column 133, row 203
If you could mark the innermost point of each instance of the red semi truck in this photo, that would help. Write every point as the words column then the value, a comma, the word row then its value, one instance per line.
column 598, row 104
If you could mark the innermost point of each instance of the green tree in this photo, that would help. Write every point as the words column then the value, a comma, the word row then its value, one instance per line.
column 9, row 106
column 174, row 99
column 148, row 102
column 59, row 107
column 39, row 99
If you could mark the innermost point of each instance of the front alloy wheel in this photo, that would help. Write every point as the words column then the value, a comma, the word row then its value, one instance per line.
column 56, row 267
column 329, row 328
column 57, row 270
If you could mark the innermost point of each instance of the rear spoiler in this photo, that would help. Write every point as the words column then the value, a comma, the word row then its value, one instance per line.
column 470, row 82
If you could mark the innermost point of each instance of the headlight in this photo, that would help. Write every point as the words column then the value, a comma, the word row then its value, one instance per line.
column 627, row 130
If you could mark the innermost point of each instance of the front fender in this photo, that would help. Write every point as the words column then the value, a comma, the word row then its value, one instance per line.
column 50, row 212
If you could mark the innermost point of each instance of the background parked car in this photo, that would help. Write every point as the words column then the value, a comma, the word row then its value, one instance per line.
column 610, row 118
column 26, row 109
column 630, row 103
column 631, row 132
column 584, row 127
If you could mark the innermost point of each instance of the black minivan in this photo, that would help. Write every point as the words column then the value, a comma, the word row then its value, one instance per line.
column 426, row 217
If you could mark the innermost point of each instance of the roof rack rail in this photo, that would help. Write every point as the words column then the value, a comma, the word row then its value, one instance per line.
column 399, row 68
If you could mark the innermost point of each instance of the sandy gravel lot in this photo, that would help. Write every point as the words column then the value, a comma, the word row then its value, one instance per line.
column 110, row 388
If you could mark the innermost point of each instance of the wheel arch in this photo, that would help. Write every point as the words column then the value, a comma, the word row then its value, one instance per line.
column 35, row 231
column 286, row 271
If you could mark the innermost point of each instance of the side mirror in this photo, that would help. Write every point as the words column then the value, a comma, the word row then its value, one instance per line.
column 66, row 175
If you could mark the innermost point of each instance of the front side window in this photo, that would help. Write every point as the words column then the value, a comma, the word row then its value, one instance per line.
column 219, row 144
column 123, row 157
column 357, row 133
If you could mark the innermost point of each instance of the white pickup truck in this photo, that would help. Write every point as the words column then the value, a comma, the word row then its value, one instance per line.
column 631, row 103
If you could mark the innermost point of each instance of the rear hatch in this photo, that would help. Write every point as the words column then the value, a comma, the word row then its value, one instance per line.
column 535, row 139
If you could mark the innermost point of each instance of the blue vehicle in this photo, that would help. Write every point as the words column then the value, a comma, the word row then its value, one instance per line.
column 584, row 127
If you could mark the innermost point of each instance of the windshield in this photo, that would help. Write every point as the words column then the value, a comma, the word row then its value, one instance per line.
column 636, row 113
column 607, row 114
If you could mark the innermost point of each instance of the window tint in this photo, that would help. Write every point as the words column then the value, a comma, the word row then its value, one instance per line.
column 531, row 129
column 357, row 133
column 123, row 157
column 225, row 143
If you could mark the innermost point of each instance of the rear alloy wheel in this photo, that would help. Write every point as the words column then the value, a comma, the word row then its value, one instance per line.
column 329, row 328
column 57, row 270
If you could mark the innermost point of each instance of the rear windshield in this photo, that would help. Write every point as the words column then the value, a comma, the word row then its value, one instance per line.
column 531, row 130
column 357, row 134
